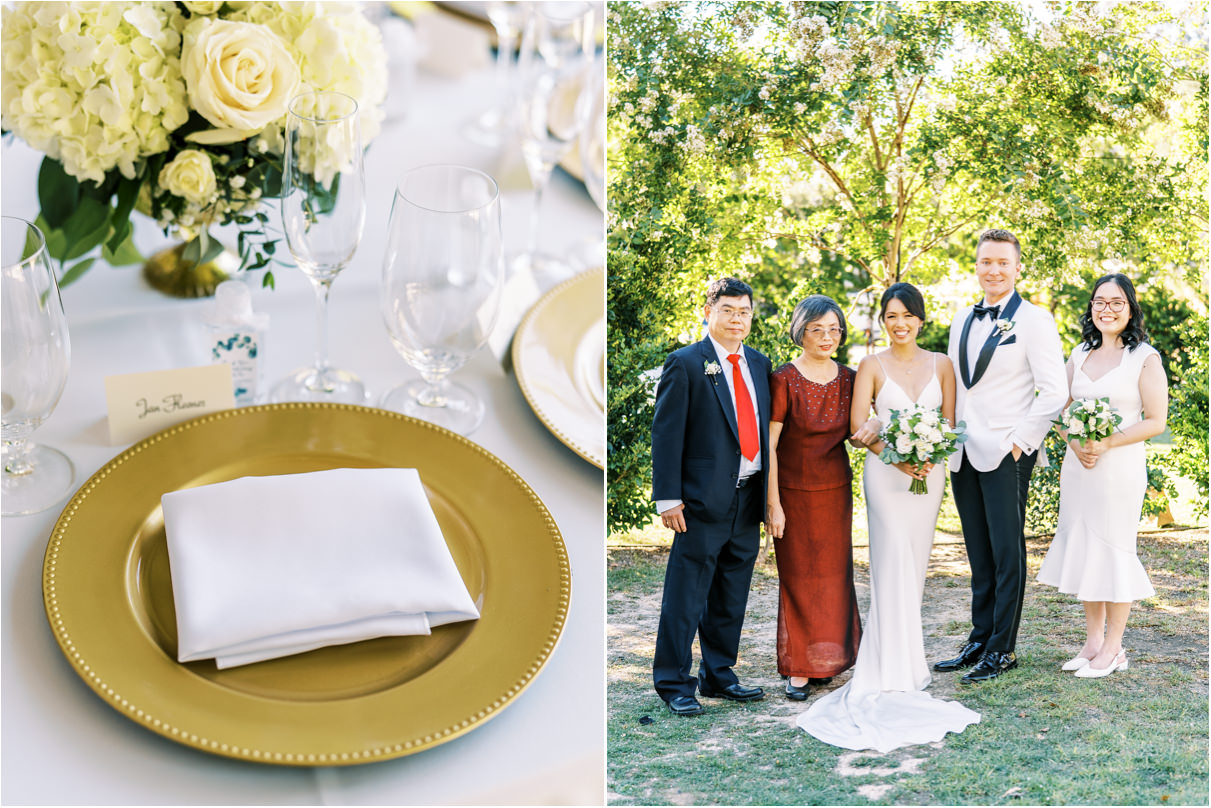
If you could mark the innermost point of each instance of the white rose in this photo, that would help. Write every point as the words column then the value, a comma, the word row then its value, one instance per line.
column 1075, row 427
column 239, row 76
column 203, row 7
column 904, row 444
column 922, row 428
column 190, row 176
column 934, row 436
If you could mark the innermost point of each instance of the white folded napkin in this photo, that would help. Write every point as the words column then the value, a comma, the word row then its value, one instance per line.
column 265, row 567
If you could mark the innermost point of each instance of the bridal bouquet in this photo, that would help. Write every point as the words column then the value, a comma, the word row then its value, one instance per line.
column 1089, row 419
column 176, row 110
column 920, row 435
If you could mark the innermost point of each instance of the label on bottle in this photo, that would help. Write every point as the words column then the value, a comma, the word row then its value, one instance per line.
column 239, row 349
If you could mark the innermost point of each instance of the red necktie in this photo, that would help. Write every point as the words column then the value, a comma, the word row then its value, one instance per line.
column 746, row 419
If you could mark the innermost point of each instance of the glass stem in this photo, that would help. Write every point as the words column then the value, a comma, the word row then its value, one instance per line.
column 16, row 457
column 323, row 286
column 434, row 393
column 541, row 178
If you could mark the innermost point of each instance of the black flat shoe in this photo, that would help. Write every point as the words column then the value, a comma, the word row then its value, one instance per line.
column 969, row 654
column 734, row 692
column 990, row 666
column 685, row 705
column 796, row 692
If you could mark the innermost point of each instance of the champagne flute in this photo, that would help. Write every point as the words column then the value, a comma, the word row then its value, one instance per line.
column 36, row 354
column 555, row 57
column 442, row 276
column 495, row 124
column 323, row 211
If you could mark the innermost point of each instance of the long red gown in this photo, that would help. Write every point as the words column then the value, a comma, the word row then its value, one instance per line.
column 818, row 623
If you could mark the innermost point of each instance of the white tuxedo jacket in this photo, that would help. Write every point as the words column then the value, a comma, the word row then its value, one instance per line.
column 1023, row 387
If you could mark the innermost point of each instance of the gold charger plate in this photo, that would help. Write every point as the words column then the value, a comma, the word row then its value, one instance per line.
column 108, row 594
column 559, row 359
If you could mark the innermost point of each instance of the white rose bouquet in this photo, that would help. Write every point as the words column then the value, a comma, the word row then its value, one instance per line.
column 1089, row 419
column 920, row 435
column 177, row 110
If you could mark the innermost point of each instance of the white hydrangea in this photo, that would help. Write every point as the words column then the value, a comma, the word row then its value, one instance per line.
column 94, row 85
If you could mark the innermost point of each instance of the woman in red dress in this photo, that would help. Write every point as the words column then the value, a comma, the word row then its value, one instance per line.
column 810, row 502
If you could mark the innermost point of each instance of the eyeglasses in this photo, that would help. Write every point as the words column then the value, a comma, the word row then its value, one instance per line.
column 1114, row 305
column 728, row 313
column 817, row 333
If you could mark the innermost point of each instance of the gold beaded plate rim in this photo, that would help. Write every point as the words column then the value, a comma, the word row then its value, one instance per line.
column 98, row 609
column 544, row 358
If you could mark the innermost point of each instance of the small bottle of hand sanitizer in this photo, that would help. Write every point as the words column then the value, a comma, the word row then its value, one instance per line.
column 236, row 336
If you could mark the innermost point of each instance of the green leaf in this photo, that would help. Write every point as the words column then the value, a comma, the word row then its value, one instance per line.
column 86, row 228
column 268, row 282
column 58, row 192
column 211, row 248
column 75, row 272
column 56, row 243
column 128, row 193
column 125, row 253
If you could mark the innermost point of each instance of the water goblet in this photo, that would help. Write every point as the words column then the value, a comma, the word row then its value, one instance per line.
column 36, row 354
column 556, row 54
column 323, row 211
column 442, row 275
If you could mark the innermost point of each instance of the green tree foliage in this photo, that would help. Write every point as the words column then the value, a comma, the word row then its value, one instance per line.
column 836, row 148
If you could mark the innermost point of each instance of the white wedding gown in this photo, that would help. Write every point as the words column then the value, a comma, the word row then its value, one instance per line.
column 884, row 705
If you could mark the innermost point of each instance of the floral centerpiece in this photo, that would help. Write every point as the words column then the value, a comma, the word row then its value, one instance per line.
column 175, row 110
column 1089, row 419
column 920, row 435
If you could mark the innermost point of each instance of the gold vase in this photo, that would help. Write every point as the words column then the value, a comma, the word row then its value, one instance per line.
column 167, row 272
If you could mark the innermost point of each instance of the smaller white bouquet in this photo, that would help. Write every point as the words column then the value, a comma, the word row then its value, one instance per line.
column 1089, row 419
column 920, row 435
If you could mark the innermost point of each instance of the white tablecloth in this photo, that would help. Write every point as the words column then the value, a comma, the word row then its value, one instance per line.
column 63, row 745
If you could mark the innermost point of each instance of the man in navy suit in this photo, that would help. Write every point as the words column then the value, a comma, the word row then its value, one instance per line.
column 710, row 449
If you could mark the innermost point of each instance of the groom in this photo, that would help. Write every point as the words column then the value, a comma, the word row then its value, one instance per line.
column 710, row 455
column 1012, row 382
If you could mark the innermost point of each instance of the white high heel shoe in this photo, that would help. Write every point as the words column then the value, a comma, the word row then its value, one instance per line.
column 1074, row 664
column 1119, row 663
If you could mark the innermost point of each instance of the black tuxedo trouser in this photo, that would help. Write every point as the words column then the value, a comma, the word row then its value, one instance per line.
column 992, row 509
column 706, row 587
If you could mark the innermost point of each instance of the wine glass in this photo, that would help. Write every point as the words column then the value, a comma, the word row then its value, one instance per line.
column 495, row 124
column 555, row 61
column 442, row 276
column 36, row 356
column 323, row 210
column 592, row 252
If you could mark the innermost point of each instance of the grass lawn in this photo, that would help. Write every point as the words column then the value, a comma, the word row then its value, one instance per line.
column 1045, row 738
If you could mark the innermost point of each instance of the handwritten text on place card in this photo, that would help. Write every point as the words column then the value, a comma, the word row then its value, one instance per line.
column 141, row 404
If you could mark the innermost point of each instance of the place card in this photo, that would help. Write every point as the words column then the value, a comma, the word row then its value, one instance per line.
column 141, row 404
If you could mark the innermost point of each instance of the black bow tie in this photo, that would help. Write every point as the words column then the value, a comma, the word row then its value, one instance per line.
column 980, row 311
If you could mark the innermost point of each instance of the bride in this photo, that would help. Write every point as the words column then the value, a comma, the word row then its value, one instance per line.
column 884, row 706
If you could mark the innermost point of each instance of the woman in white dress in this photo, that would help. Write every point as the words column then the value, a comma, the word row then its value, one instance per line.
column 883, row 706
column 1102, row 483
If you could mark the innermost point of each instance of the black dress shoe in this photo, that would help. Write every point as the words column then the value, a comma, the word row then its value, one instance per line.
column 685, row 705
column 819, row 681
column 969, row 654
column 796, row 692
column 733, row 692
column 990, row 666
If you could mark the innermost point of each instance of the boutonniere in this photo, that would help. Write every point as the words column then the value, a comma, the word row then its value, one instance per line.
column 1004, row 327
column 711, row 369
